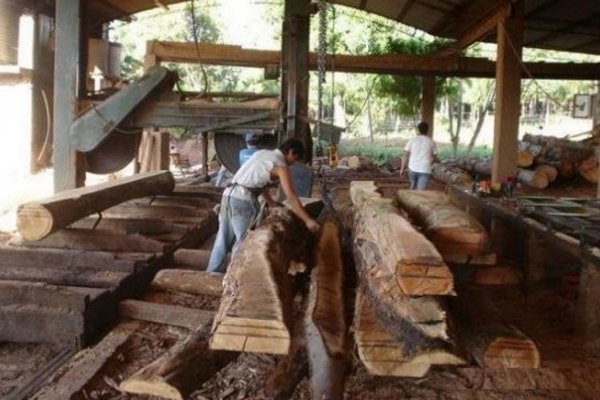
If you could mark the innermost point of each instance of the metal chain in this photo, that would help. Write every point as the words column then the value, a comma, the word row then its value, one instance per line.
column 323, row 7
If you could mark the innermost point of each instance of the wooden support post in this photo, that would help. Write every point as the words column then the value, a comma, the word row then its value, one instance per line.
column 428, row 102
column 68, row 81
column 205, row 162
column 295, row 77
column 508, row 93
column 588, row 319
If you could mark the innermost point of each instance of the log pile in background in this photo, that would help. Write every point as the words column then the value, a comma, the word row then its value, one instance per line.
column 451, row 173
column 454, row 232
column 401, row 275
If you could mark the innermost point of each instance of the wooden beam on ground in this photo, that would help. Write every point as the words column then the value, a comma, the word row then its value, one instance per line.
column 64, row 277
column 99, row 240
column 478, row 31
column 80, row 370
column 508, row 93
column 385, row 354
column 189, row 282
column 451, row 230
column 395, row 64
column 587, row 320
column 254, row 315
column 491, row 342
column 179, row 371
column 165, row 314
column 196, row 259
column 38, row 219
column 326, row 329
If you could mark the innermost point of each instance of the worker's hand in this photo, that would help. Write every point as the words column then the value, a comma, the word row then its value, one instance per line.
column 313, row 225
column 402, row 171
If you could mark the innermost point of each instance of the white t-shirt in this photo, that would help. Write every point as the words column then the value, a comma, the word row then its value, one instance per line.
column 422, row 149
column 256, row 172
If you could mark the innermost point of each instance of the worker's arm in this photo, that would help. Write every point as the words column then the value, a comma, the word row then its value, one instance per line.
column 404, row 162
column 270, row 201
column 283, row 173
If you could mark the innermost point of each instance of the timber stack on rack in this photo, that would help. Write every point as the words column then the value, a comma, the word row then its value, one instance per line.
column 82, row 250
column 401, row 326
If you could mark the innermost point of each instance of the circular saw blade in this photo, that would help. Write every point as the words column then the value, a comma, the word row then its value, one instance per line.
column 113, row 154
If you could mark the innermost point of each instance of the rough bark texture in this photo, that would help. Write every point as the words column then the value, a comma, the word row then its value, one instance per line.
column 254, row 314
column 451, row 174
column 489, row 340
column 451, row 230
column 38, row 219
column 189, row 282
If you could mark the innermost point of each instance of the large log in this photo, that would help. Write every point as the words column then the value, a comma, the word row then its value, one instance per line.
column 189, row 282
column 196, row 259
column 490, row 341
column 451, row 230
column 38, row 219
column 533, row 178
column 386, row 354
column 588, row 169
column 412, row 260
column 254, row 315
column 550, row 171
column 395, row 262
column 477, row 166
column 451, row 174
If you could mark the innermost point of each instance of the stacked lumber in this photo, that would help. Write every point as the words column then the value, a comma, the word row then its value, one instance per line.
column 254, row 315
column 402, row 275
column 153, row 152
column 453, row 231
column 38, row 219
column 490, row 341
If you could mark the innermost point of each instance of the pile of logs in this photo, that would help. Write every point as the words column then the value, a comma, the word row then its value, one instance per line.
column 540, row 161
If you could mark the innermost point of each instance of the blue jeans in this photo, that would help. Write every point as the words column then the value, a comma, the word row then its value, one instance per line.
column 235, row 218
column 418, row 180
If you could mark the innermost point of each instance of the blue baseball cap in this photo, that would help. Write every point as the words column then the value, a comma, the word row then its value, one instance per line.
column 248, row 137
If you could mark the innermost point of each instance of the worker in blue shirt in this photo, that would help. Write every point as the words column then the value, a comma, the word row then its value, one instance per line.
column 251, row 147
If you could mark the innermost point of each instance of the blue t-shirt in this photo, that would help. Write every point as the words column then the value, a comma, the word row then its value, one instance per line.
column 245, row 155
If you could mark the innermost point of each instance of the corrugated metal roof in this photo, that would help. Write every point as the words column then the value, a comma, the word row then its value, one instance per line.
column 570, row 25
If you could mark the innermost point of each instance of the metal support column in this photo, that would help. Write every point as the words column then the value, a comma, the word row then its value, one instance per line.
column 69, row 83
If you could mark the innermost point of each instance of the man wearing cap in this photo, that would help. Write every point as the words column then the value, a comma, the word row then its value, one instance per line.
column 251, row 147
column 240, row 206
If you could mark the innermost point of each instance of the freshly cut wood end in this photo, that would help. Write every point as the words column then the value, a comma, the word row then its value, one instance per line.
column 156, row 388
column 512, row 353
column 34, row 221
column 253, row 336
column 425, row 279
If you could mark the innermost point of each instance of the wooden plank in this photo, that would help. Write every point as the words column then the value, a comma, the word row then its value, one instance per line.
column 165, row 314
column 42, row 294
column 587, row 319
column 207, row 192
column 79, row 277
column 25, row 257
column 143, row 226
column 191, row 258
column 99, row 240
column 173, row 214
column 80, row 370
column 189, row 282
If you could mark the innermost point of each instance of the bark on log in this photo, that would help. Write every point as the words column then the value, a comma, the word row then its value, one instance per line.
column 189, row 282
column 477, row 166
column 191, row 258
column 254, row 315
column 180, row 370
column 588, row 168
column 451, row 230
column 385, row 354
column 413, row 261
column 326, row 326
column 536, row 179
column 38, row 219
column 491, row 342
column 451, row 174
column 392, row 257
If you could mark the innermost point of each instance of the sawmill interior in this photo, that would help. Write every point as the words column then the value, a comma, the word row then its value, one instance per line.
column 484, row 286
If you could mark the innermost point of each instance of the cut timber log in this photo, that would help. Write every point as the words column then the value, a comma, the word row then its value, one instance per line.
column 165, row 314
column 191, row 258
column 180, row 370
column 80, row 370
column 477, row 166
column 254, row 315
column 525, row 158
column 450, row 174
column 550, row 171
column 387, row 355
column 490, row 341
column 99, row 240
column 451, row 230
column 326, row 324
column 384, row 243
column 189, row 282
column 411, row 259
column 533, row 178
column 588, row 169
column 38, row 219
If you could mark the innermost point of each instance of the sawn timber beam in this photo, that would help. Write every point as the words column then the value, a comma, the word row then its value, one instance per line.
column 395, row 64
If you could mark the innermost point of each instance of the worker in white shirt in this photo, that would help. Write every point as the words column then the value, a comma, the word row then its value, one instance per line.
column 240, row 206
column 419, row 155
